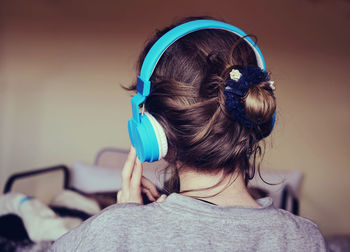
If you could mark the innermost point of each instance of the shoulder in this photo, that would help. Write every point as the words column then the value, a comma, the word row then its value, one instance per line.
column 112, row 221
column 301, row 229
column 295, row 221
column 119, row 211
column 275, row 217
column 126, row 212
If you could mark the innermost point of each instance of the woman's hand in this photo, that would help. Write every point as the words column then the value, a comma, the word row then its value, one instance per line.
column 133, row 183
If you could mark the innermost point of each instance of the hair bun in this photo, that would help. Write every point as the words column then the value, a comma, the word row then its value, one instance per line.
column 260, row 103
column 249, row 97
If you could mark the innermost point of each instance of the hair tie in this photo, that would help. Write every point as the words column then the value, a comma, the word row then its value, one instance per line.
column 237, row 85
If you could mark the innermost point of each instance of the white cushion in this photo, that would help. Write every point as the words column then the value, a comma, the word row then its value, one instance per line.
column 90, row 178
column 74, row 200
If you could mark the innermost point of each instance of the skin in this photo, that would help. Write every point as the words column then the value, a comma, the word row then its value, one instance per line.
column 133, row 183
column 230, row 192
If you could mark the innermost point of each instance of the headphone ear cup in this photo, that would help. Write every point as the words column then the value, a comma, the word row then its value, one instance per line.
column 160, row 135
column 148, row 138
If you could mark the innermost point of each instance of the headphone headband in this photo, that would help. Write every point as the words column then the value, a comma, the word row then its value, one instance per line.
column 146, row 134
column 143, row 85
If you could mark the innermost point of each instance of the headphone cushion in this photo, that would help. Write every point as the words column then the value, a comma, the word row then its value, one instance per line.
column 160, row 135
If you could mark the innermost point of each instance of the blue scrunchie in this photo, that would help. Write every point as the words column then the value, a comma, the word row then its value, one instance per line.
column 236, row 90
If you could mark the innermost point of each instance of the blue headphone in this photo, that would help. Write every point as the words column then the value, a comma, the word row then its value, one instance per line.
column 146, row 134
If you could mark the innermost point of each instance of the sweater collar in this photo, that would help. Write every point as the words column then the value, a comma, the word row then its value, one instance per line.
column 190, row 204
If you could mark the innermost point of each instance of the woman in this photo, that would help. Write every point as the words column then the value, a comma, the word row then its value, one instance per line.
column 209, row 104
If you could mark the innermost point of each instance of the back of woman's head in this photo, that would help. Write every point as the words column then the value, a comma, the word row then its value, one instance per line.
column 188, row 99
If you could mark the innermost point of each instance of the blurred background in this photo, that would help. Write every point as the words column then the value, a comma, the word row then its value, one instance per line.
column 62, row 64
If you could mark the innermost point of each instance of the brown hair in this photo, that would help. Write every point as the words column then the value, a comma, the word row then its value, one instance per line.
column 187, row 98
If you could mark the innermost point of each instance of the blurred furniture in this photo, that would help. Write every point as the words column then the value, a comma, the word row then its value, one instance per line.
column 338, row 243
column 42, row 184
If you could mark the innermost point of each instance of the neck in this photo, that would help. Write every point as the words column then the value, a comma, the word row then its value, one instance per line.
column 231, row 191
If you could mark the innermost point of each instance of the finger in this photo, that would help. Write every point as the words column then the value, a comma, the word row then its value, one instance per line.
column 135, row 182
column 119, row 196
column 150, row 186
column 162, row 198
column 148, row 194
column 128, row 168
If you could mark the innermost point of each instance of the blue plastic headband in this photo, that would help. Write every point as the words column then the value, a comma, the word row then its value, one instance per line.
column 143, row 81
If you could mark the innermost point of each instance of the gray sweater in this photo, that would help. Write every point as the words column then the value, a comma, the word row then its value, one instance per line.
column 185, row 224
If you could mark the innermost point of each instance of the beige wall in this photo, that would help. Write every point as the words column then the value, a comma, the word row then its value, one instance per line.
column 62, row 63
